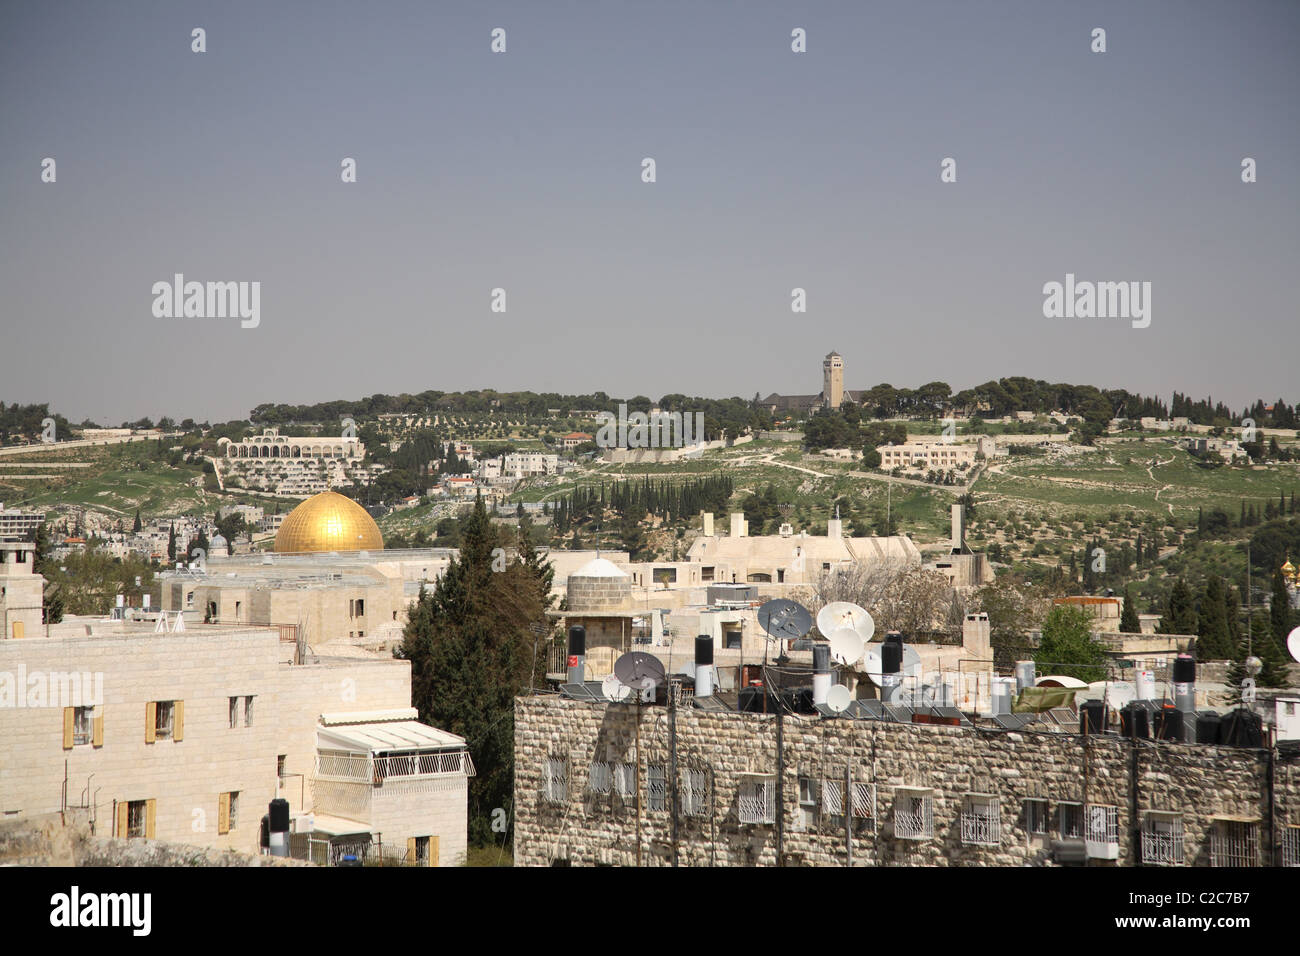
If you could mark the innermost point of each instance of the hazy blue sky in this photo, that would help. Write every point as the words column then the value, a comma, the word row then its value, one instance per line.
column 523, row 170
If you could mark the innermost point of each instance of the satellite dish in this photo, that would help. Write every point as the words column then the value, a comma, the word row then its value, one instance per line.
column 838, row 699
column 911, row 666
column 639, row 670
column 1293, row 644
column 840, row 614
column 615, row 689
column 785, row 619
column 846, row 645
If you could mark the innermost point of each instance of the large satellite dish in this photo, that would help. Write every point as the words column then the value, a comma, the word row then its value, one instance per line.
column 847, row 645
column 639, row 670
column 615, row 689
column 838, row 699
column 1293, row 644
column 840, row 614
column 785, row 619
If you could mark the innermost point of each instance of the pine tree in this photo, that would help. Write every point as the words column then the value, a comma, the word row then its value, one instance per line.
column 1128, row 620
column 171, row 543
column 135, row 528
column 1180, row 617
column 1213, row 642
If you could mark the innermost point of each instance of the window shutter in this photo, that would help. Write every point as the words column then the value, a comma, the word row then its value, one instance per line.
column 178, row 720
column 410, row 850
column 150, row 722
column 18, row 630
column 97, row 732
column 123, row 809
column 433, row 850
column 150, row 817
column 223, row 813
column 69, row 715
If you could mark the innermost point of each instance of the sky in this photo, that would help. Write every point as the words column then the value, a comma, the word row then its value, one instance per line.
column 522, row 171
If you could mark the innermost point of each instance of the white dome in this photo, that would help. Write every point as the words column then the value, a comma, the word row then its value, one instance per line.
column 599, row 568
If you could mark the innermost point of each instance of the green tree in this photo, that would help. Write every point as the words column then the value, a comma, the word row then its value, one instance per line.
column 1213, row 636
column 1180, row 616
column 1279, row 608
column 171, row 543
column 1067, row 647
column 137, row 525
column 1128, row 619
column 471, row 646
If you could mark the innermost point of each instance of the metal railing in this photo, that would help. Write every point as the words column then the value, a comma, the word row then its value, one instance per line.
column 358, row 767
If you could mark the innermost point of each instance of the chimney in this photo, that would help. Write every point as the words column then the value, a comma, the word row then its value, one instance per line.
column 834, row 528
column 976, row 638
column 703, row 666
column 739, row 526
column 1026, row 675
column 706, row 517
column 821, row 672
column 577, row 653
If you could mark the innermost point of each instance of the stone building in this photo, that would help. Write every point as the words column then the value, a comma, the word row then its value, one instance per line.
column 21, row 591
column 912, row 794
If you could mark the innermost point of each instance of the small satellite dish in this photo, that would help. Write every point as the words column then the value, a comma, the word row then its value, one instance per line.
column 911, row 666
column 639, row 670
column 838, row 699
column 840, row 614
column 846, row 645
column 1293, row 644
column 615, row 689
column 785, row 619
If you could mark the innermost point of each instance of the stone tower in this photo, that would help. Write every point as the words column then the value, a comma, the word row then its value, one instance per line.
column 833, row 380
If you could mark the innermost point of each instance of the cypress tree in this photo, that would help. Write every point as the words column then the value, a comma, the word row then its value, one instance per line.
column 1213, row 641
column 1279, row 610
column 1128, row 620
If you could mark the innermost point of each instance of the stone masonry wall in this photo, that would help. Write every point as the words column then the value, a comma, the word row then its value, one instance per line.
column 1200, row 782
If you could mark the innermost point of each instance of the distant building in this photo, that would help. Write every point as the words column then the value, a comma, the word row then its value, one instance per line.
column 574, row 439
column 926, row 456
column 18, row 524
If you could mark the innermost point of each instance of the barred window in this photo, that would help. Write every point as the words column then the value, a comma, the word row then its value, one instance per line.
column 1291, row 845
column 913, row 814
column 1071, row 820
column 657, row 786
column 1162, row 839
column 758, row 799
column 1234, row 842
column 1102, row 824
column 625, row 779
column 981, row 820
column 864, row 801
column 695, row 795
column 601, row 777
column 1036, row 817
column 557, row 780
column 807, row 802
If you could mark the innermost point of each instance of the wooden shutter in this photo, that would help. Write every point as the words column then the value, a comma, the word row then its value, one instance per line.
column 433, row 851
column 410, row 851
column 69, row 717
column 223, row 813
column 150, row 817
column 18, row 630
column 123, row 812
column 150, row 722
column 97, row 732
column 178, row 720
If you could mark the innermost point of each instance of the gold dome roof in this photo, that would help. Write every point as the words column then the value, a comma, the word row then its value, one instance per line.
column 328, row 521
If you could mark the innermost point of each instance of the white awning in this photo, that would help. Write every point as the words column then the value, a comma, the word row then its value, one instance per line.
column 369, row 716
column 381, row 736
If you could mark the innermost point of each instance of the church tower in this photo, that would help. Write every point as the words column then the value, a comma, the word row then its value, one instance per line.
column 833, row 380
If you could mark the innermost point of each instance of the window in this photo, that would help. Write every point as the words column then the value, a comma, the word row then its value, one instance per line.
column 1101, row 831
column 758, row 798
column 625, row 779
column 864, row 801
column 807, row 802
column 234, row 809
column 1036, row 817
column 248, row 711
column 1291, row 845
column 833, row 803
column 83, row 719
column 1234, row 842
column 695, row 795
column 600, row 779
column 557, row 780
column 981, row 820
column 357, row 607
column 279, row 764
column 234, row 712
column 136, row 818
column 189, row 599
column 657, row 786
column 913, row 814
column 422, row 851
column 1071, row 821
column 706, row 573
column 1162, row 838
column 164, row 720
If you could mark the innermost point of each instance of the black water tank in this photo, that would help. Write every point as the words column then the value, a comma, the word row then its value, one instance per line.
column 1184, row 669
column 1092, row 717
column 1241, row 728
column 1134, row 721
column 1207, row 727
column 578, row 640
column 1169, row 723
column 703, row 649
column 279, row 815
column 891, row 657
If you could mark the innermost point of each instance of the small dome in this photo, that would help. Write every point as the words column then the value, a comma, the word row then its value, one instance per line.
column 599, row 568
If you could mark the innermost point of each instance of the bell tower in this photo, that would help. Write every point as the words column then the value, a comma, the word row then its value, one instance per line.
column 833, row 380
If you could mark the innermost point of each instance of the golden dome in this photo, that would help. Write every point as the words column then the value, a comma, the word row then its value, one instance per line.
column 328, row 521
